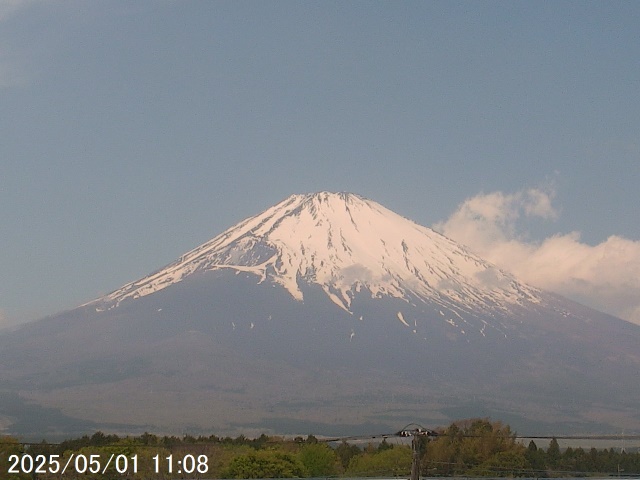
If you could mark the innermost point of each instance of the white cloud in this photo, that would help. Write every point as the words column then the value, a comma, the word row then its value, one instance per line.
column 356, row 272
column 604, row 276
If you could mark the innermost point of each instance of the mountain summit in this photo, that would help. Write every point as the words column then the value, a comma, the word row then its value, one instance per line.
column 326, row 314
column 348, row 245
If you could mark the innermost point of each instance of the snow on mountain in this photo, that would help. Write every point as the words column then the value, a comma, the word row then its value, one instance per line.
column 347, row 245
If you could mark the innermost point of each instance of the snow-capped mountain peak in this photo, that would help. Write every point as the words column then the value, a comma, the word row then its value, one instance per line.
column 346, row 244
column 325, row 303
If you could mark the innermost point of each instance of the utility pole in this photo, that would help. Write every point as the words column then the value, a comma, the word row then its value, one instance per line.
column 415, row 459
column 416, row 433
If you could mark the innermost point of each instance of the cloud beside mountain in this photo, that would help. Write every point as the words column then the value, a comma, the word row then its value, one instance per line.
column 604, row 276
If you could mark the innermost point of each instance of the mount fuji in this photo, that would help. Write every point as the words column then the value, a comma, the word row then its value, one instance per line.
column 328, row 314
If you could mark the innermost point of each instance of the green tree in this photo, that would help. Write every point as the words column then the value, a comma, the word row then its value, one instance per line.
column 384, row 445
column 319, row 460
column 510, row 463
column 553, row 454
column 392, row 462
column 536, row 459
column 468, row 446
column 265, row 464
column 345, row 452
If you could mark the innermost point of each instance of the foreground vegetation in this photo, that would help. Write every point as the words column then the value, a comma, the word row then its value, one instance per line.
column 476, row 447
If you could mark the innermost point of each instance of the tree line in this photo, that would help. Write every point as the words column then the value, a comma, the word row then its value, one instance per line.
column 479, row 447
column 472, row 448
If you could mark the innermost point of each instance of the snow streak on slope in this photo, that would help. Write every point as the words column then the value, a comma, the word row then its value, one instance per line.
column 346, row 244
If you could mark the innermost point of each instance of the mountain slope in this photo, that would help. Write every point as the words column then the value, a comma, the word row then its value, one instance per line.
column 347, row 244
column 325, row 313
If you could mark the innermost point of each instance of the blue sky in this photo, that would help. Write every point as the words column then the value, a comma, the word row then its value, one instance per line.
column 134, row 131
